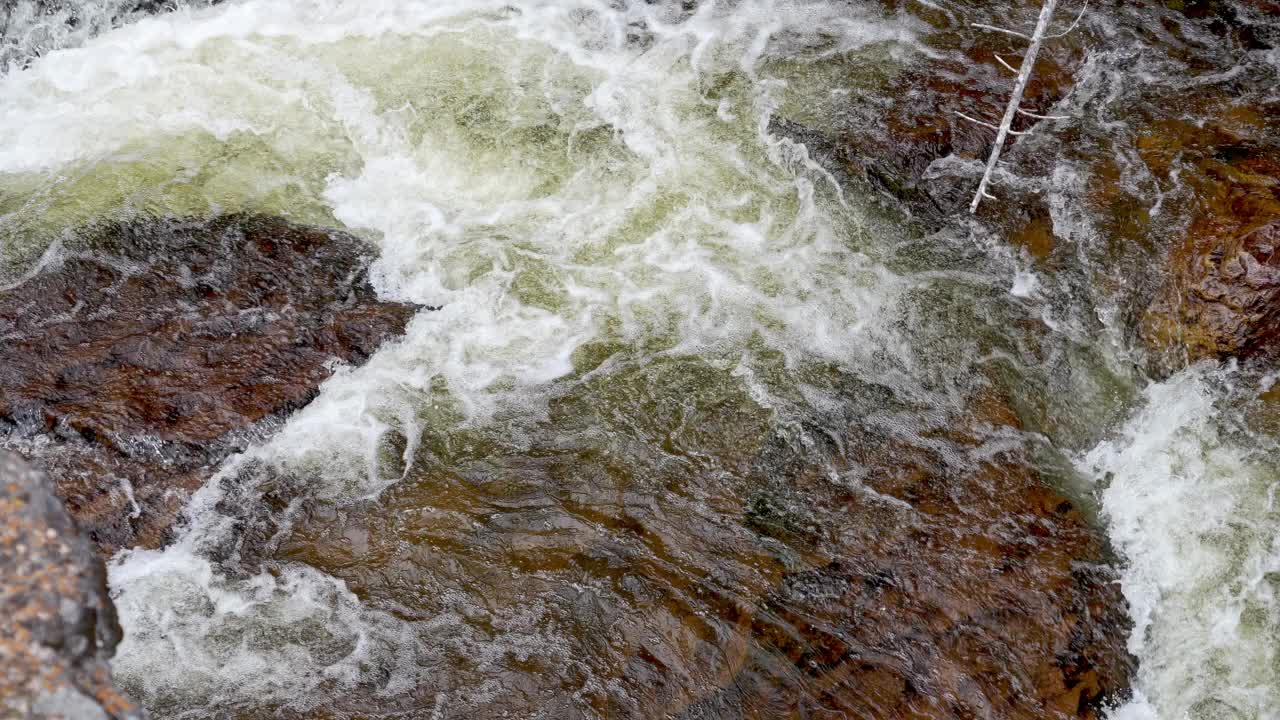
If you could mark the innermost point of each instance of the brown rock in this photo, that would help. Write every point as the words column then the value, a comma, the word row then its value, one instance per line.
column 131, row 368
column 58, row 627
column 1183, row 176
column 722, row 571
column 1222, row 295
column 1211, row 109
column 970, row 591
column 1183, row 173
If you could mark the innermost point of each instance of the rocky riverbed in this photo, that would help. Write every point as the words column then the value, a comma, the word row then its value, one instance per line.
column 877, row 523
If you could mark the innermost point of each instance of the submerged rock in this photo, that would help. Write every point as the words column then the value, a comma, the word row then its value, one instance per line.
column 1181, row 170
column 724, row 569
column 909, row 139
column 131, row 367
column 1161, row 183
column 955, row 589
column 58, row 628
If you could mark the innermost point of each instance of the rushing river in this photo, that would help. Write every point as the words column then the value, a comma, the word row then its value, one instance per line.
column 648, row 297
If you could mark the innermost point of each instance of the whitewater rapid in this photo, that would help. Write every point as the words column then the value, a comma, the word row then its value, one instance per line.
column 552, row 180
column 562, row 178
column 1189, row 491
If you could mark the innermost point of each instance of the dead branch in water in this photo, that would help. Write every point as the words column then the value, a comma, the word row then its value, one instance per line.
column 1013, row 109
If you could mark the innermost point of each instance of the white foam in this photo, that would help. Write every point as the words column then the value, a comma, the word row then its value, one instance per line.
column 552, row 180
column 1190, row 502
column 197, row 637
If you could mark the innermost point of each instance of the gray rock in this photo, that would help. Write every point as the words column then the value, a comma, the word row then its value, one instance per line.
column 58, row 627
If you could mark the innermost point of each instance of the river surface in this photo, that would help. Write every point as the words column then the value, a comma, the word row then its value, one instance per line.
column 648, row 296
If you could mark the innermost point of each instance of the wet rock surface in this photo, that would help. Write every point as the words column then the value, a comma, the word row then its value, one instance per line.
column 58, row 628
column 910, row 142
column 132, row 366
column 950, row 594
column 1221, row 298
column 718, row 568
column 725, row 570
column 1169, row 149
column 1182, row 177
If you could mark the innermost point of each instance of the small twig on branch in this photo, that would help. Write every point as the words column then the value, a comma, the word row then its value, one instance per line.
column 1007, row 66
column 986, row 124
column 1073, row 25
column 976, row 121
column 1042, row 117
column 1006, row 31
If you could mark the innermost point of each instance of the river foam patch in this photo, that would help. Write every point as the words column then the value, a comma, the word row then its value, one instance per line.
column 1189, row 495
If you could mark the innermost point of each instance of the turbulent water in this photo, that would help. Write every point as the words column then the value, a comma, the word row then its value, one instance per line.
column 1190, row 488
column 619, row 245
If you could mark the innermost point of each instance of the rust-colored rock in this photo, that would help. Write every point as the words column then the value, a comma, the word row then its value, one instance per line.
column 727, row 572
column 953, row 592
column 1222, row 295
column 1180, row 165
column 58, row 628
column 132, row 367
column 1181, row 171
column 1182, row 174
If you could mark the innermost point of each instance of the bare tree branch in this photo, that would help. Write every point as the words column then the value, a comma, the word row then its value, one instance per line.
column 1011, row 110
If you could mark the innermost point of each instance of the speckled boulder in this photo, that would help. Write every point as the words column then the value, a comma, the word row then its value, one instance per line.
column 57, row 624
